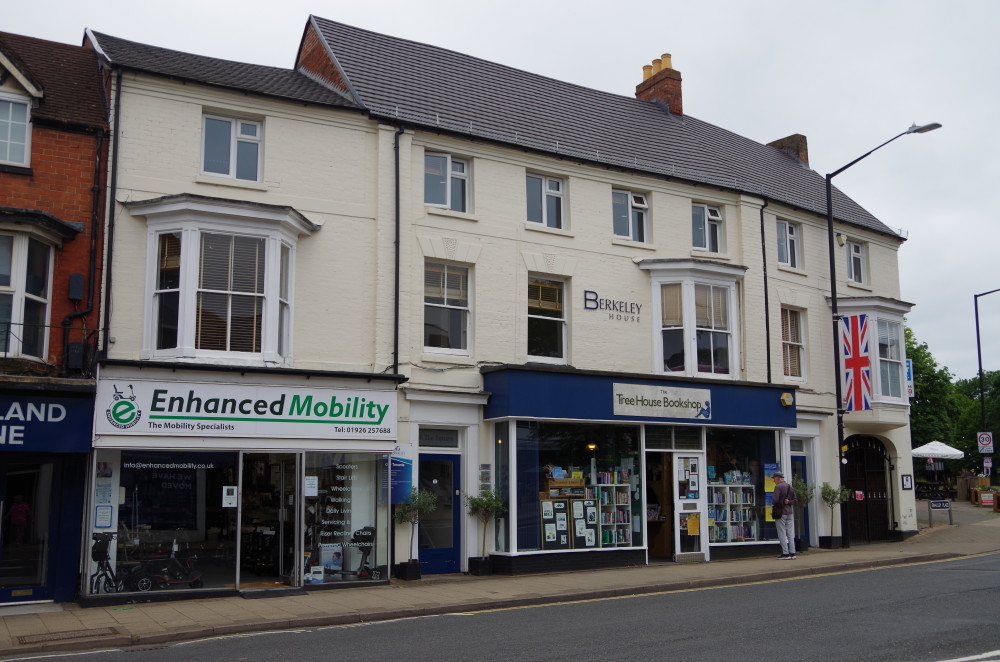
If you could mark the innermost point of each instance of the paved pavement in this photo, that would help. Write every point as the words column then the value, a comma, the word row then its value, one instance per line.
column 33, row 629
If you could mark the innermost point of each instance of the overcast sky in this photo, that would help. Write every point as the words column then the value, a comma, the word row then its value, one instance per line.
column 848, row 75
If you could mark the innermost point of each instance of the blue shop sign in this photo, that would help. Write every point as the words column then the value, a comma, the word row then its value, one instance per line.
column 578, row 395
column 45, row 424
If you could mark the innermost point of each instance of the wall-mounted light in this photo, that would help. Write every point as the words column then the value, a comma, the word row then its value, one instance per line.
column 841, row 239
column 591, row 447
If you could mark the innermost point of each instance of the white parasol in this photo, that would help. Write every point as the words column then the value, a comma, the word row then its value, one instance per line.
column 939, row 450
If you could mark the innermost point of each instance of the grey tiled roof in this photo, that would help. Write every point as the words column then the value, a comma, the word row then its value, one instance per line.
column 269, row 81
column 433, row 87
column 69, row 78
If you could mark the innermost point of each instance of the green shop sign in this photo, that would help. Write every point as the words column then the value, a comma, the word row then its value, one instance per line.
column 128, row 406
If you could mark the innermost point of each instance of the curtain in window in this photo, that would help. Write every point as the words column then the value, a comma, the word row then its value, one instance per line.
column 791, row 336
column 671, row 302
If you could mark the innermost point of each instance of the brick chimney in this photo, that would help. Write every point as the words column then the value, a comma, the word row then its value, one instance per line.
column 660, row 81
column 794, row 145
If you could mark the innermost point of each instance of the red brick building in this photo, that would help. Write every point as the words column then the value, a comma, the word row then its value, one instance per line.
column 53, row 142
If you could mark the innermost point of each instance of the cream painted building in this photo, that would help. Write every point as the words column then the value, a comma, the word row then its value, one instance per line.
column 329, row 283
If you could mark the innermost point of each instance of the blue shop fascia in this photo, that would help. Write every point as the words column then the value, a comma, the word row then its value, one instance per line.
column 603, row 469
column 45, row 438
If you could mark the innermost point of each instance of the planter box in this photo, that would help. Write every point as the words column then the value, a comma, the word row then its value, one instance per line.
column 801, row 545
column 408, row 570
column 830, row 542
column 480, row 566
column 974, row 496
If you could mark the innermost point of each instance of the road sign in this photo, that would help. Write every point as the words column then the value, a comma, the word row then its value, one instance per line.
column 987, row 462
column 985, row 442
column 940, row 505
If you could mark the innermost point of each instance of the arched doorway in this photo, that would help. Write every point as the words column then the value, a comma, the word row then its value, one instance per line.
column 868, row 477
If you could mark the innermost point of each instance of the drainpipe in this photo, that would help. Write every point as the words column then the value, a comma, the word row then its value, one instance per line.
column 395, row 322
column 95, row 211
column 112, row 197
column 767, row 308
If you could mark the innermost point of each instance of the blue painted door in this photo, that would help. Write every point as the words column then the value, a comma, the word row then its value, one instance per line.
column 801, row 523
column 440, row 532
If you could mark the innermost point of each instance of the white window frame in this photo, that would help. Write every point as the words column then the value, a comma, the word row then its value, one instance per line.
column 881, row 311
column 190, row 217
column 712, row 229
column 887, row 365
column 563, row 321
column 26, row 102
column 235, row 138
column 637, row 207
column 17, row 290
column 551, row 188
column 466, row 309
column 789, row 244
column 456, row 170
column 857, row 262
column 793, row 346
column 688, row 274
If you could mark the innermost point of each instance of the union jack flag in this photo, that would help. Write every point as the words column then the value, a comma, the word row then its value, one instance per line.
column 857, row 364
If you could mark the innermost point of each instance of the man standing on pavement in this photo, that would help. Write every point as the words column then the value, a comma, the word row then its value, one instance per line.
column 784, row 496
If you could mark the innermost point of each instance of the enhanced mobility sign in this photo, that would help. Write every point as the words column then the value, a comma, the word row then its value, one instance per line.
column 134, row 407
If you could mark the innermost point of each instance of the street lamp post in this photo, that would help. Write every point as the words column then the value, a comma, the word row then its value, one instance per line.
column 845, row 512
column 979, row 354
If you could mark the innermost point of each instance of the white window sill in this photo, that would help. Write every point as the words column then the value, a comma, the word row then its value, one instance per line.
column 430, row 356
column 859, row 286
column 546, row 360
column 234, row 183
column 538, row 227
column 621, row 241
column 792, row 270
column 703, row 254
column 441, row 211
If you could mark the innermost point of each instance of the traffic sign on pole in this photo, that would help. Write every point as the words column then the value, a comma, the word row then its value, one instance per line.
column 985, row 442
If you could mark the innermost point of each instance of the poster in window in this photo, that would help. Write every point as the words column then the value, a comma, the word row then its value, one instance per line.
column 550, row 532
column 561, row 521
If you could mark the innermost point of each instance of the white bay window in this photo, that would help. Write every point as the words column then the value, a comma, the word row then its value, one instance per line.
column 220, row 290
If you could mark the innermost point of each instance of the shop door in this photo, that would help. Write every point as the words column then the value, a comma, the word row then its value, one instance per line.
column 802, row 511
column 659, row 505
column 25, row 502
column 870, row 501
column 269, row 532
column 439, row 533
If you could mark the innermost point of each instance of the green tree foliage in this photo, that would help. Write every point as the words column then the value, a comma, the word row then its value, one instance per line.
column 933, row 410
column 969, row 422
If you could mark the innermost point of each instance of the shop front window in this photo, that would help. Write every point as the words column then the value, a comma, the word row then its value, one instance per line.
column 740, row 463
column 346, row 523
column 578, row 486
column 163, row 521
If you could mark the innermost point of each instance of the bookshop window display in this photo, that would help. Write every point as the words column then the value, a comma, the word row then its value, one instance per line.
column 739, row 485
column 578, row 486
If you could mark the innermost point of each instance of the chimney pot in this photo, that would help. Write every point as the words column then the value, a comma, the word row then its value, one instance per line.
column 661, row 82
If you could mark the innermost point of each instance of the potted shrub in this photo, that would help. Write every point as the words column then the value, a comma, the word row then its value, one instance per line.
column 833, row 497
column 485, row 506
column 804, row 493
column 419, row 504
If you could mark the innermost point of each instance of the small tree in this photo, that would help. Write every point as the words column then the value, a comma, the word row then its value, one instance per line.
column 416, row 506
column 485, row 506
column 804, row 492
column 833, row 497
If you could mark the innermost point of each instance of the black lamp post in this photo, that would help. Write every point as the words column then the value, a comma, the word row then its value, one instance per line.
column 845, row 512
column 979, row 354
